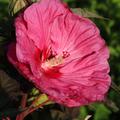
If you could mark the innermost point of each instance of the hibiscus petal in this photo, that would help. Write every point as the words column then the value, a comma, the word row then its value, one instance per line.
column 39, row 17
column 72, row 94
column 22, row 68
column 75, row 35
column 26, row 51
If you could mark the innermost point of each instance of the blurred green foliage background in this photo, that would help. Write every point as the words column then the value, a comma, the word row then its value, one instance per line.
column 110, row 30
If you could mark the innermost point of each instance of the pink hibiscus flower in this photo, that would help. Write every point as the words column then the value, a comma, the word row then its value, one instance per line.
column 62, row 53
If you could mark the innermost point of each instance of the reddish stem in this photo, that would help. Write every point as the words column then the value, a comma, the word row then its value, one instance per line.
column 23, row 105
column 31, row 109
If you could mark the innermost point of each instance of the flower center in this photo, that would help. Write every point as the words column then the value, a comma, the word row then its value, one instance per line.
column 55, row 61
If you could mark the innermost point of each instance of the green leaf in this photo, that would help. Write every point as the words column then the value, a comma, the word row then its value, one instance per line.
column 102, row 112
column 34, row 92
column 9, row 86
column 115, row 87
column 16, row 5
column 83, row 113
column 69, row 0
column 86, row 13
column 42, row 99
column 111, row 104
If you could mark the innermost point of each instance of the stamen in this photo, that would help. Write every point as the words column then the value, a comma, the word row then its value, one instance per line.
column 54, row 61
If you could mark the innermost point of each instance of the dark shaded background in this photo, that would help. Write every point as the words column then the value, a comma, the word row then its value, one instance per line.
column 110, row 30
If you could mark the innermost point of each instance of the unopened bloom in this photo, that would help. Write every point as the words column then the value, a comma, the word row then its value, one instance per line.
column 62, row 53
